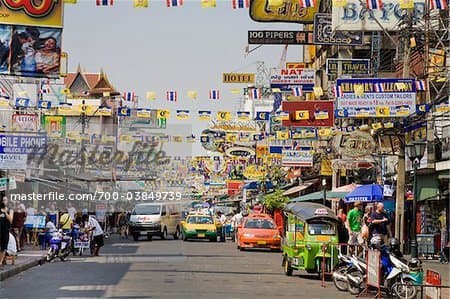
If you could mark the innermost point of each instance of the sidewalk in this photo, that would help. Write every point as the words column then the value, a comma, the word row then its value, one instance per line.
column 25, row 260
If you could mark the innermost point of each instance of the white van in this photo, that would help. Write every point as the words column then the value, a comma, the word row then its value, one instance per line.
column 156, row 219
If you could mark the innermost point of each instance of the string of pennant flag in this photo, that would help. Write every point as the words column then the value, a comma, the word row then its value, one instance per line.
column 245, row 4
column 235, row 4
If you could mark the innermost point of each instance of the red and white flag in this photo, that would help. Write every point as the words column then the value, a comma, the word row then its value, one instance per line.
column 172, row 3
column 374, row 4
column 128, row 96
column 104, row 2
column 438, row 4
column 214, row 94
column 240, row 4
column 297, row 91
column 307, row 3
column 171, row 96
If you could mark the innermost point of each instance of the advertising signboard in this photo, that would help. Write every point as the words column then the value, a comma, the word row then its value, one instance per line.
column 100, row 211
column 355, row 16
column 279, row 37
column 373, row 268
column 297, row 158
column 381, row 97
column 25, row 91
column 347, row 67
column 47, row 13
column 13, row 161
column 55, row 126
column 309, row 114
column 323, row 35
column 295, row 65
column 40, row 57
column 238, row 78
column 22, row 144
column 288, row 12
column 24, row 122
column 11, row 183
column 287, row 79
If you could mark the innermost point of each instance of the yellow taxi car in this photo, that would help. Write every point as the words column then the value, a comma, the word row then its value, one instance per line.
column 199, row 226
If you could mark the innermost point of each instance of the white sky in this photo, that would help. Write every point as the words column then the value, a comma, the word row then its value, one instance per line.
column 160, row 49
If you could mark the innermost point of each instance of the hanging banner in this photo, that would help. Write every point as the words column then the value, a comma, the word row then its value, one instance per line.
column 24, row 122
column 13, row 161
column 297, row 158
column 355, row 16
column 25, row 91
column 378, row 97
column 238, row 78
column 296, row 65
column 271, row 37
column 48, row 13
column 316, row 114
column 289, row 12
column 287, row 79
column 324, row 36
column 55, row 126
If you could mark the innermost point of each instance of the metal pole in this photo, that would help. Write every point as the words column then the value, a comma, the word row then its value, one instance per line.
column 324, row 185
column 413, row 232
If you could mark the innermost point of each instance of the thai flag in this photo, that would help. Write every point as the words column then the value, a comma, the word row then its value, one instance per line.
column 379, row 87
column 255, row 93
column 240, row 4
column 297, row 91
column 172, row 3
column 421, row 85
column 171, row 96
column 438, row 4
column 3, row 93
column 307, row 3
column 338, row 91
column 45, row 89
column 128, row 96
column 374, row 4
column 214, row 94
column 105, row 2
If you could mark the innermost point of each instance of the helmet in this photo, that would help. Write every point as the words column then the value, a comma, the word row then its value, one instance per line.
column 376, row 242
column 394, row 244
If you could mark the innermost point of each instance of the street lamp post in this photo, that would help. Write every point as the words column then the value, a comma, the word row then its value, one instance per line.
column 415, row 152
column 324, row 186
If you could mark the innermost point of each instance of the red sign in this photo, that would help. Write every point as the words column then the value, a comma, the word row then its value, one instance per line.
column 234, row 187
column 309, row 114
column 432, row 278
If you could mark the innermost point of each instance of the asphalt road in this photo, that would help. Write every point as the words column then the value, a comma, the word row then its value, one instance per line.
column 167, row 269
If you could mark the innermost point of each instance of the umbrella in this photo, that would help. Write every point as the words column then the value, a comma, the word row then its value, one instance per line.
column 372, row 192
column 346, row 188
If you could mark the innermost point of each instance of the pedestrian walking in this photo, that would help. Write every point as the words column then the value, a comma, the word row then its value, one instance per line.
column 379, row 223
column 223, row 221
column 6, row 219
column 96, row 230
column 122, row 223
column 354, row 220
column 18, row 225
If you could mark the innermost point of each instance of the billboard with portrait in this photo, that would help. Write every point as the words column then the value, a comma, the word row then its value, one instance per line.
column 35, row 51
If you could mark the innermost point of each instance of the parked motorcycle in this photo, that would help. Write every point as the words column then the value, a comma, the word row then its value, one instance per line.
column 353, row 268
column 396, row 279
column 60, row 246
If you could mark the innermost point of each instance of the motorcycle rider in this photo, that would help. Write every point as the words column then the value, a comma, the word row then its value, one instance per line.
column 97, row 232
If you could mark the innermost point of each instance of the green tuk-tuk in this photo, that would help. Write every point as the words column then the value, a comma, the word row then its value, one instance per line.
column 311, row 238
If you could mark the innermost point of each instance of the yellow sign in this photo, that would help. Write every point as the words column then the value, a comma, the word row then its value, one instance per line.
column 290, row 11
column 253, row 172
column 282, row 135
column 296, row 65
column 104, row 111
column 163, row 114
column 223, row 115
column 46, row 13
column 4, row 102
column 382, row 111
column 301, row 114
column 143, row 113
column 262, row 151
column 238, row 77
column 325, row 168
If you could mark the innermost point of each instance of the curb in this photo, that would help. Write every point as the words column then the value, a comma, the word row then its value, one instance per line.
column 23, row 267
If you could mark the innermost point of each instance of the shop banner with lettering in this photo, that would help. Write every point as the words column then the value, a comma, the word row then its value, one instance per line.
column 24, row 122
column 287, row 79
column 354, row 16
column 47, row 13
column 375, row 97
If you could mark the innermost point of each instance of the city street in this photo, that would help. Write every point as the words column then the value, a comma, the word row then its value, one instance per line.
column 167, row 269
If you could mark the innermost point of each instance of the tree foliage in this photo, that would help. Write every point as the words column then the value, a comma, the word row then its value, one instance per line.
column 275, row 200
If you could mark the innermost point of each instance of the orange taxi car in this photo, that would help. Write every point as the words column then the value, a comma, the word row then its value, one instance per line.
column 258, row 231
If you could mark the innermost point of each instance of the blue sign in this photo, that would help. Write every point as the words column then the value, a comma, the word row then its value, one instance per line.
column 22, row 144
column 289, row 87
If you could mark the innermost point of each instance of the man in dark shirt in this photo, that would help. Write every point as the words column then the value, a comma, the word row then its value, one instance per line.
column 379, row 223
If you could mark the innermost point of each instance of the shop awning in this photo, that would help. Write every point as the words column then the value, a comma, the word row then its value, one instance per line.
column 297, row 189
column 444, row 175
column 428, row 186
column 319, row 195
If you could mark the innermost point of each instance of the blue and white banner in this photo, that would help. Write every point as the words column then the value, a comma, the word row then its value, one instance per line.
column 287, row 79
column 22, row 144
column 376, row 97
